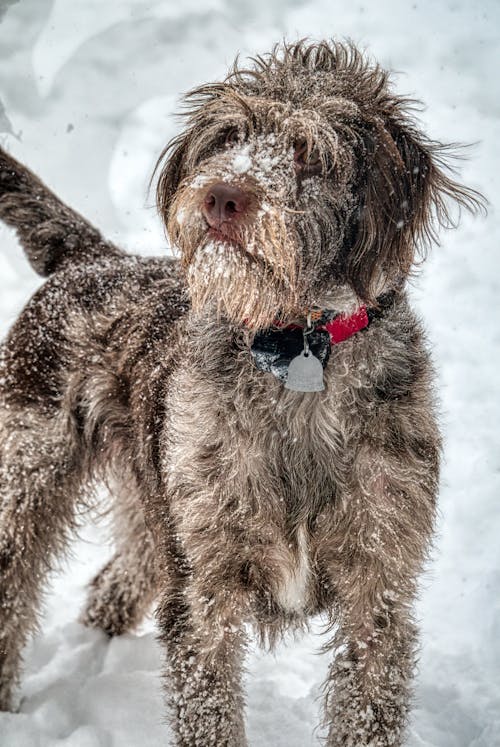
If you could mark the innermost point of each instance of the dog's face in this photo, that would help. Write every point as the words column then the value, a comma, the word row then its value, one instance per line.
column 301, row 181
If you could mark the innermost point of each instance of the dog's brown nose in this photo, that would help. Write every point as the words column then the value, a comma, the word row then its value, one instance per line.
column 224, row 203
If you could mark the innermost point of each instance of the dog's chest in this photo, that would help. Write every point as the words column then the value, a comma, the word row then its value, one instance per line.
column 261, row 460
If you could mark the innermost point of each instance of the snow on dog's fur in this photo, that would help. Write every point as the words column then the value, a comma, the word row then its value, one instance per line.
column 299, row 182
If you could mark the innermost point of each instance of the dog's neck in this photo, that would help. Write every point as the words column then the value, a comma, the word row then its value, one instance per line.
column 339, row 324
column 277, row 349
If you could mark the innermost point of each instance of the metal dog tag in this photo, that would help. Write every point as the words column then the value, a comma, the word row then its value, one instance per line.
column 305, row 374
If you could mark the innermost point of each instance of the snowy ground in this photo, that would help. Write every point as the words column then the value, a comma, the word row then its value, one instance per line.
column 89, row 87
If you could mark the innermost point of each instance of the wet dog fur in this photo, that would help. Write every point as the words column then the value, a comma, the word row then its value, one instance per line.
column 237, row 501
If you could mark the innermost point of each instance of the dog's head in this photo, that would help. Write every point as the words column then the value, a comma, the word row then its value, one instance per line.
column 301, row 181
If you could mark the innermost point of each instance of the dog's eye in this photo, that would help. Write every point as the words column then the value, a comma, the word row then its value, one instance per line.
column 307, row 161
column 232, row 136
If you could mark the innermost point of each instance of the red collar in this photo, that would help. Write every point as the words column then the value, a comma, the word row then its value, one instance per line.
column 341, row 327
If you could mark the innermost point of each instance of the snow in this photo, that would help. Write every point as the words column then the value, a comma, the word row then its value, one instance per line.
column 260, row 161
column 90, row 88
column 242, row 163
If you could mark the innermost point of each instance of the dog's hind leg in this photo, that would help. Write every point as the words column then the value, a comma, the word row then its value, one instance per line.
column 40, row 480
column 122, row 592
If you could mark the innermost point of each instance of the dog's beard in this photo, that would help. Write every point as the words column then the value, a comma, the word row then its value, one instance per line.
column 250, row 277
column 241, row 288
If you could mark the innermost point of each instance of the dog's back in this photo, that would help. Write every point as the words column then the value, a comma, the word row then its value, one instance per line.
column 57, row 353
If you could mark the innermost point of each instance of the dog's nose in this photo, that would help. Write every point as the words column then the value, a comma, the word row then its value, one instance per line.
column 224, row 203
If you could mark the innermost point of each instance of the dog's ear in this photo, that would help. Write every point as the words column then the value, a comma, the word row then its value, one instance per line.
column 172, row 169
column 406, row 194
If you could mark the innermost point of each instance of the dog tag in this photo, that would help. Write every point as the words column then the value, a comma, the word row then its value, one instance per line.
column 305, row 374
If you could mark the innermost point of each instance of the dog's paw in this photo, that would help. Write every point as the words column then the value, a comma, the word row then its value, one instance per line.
column 115, row 603
column 108, row 611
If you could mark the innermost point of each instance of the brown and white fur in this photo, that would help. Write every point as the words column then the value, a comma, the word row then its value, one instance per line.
column 300, row 182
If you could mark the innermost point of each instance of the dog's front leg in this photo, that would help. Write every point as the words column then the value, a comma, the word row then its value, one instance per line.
column 381, row 542
column 370, row 679
column 204, row 647
column 200, row 620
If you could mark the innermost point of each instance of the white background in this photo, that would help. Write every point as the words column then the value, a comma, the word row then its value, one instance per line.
column 89, row 90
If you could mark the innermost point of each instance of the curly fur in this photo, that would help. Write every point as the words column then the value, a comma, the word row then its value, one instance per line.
column 237, row 500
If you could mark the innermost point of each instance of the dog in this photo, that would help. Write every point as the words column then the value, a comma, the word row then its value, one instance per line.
column 262, row 408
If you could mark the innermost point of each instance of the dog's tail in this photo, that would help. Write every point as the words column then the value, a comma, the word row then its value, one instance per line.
column 52, row 234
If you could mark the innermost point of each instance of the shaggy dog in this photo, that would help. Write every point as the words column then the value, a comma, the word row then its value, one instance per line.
column 262, row 409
